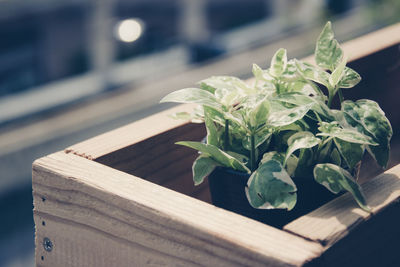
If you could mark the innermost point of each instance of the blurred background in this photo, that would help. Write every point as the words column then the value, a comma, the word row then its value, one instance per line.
column 70, row 70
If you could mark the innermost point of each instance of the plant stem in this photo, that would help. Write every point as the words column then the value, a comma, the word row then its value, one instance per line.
column 278, row 86
column 330, row 97
column 252, row 153
column 226, row 135
column 341, row 98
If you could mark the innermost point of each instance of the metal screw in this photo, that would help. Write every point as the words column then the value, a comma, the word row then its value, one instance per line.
column 47, row 244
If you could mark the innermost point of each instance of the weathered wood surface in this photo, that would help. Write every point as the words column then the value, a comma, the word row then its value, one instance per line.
column 331, row 222
column 90, row 202
column 97, row 216
column 130, row 134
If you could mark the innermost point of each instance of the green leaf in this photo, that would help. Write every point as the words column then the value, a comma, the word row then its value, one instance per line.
column 259, row 113
column 337, row 179
column 313, row 73
column 217, row 154
column 261, row 74
column 270, row 187
column 333, row 129
column 301, row 100
column 369, row 118
column 349, row 79
column 202, row 167
column 337, row 74
column 278, row 63
column 207, row 87
column 300, row 140
column 192, row 95
column 324, row 151
column 290, row 73
column 287, row 116
column 335, row 156
column 213, row 134
column 291, row 163
column 328, row 53
column 351, row 153
column 229, row 83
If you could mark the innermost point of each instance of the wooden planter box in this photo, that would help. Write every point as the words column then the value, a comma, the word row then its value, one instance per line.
column 126, row 198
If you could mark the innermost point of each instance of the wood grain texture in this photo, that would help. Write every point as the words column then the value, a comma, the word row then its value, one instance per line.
column 333, row 221
column 91, row 203
column 130, row 134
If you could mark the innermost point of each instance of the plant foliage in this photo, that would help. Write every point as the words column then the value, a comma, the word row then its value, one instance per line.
column 283, row 125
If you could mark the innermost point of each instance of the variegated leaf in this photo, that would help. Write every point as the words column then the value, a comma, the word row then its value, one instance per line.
column 217, row 154
column 333, row 129
column 337, row 74
column 349, row 79
column 352, row 153
column 336, row 179
column 278, row 63
column 328, row 53
column 300, row 140
column 202, row 167
column 261, row 74
column 291, row 163
column 270, row 187
column 313, row 73
column 287, row 116
column 369, row 118
column 193, row 95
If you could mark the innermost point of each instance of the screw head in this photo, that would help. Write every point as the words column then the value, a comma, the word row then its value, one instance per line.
column 47, row 244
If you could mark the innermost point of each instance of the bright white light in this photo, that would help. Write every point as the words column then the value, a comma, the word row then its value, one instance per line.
column 129, row 30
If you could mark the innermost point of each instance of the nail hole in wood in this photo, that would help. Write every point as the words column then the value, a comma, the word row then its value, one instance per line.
column 43, row 223
column 42, row 258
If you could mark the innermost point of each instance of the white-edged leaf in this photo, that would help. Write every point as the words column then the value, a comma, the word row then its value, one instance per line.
column 278, row 63
column 259, row 113
column 202, row 167
column 349, row 79
column 287, row 116
column 213, row 135
column 352, row 153
column 300, row 140
column 336, row 179
column 217, row 154
column 369, row 119
column 261, row 74
column 300, row 100
column 192, row 95
column 291, row 163
column 313, row 73
column 338, row 73
column 270, row 187
column 229, row 83
column 333, row 129
column 328, row 53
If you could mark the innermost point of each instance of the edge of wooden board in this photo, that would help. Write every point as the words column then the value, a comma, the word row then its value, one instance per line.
column 106, row 200
column 336, row 219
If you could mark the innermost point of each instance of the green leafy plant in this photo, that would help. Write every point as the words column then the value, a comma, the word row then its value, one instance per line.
column 283, row 126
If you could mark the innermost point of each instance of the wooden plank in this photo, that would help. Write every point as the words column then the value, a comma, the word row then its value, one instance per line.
column 333, row 221
column 92, row 204
column 372, row 243
column 130, row 134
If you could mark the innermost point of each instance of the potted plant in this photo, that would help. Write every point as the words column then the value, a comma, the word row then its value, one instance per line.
column 277, row 149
